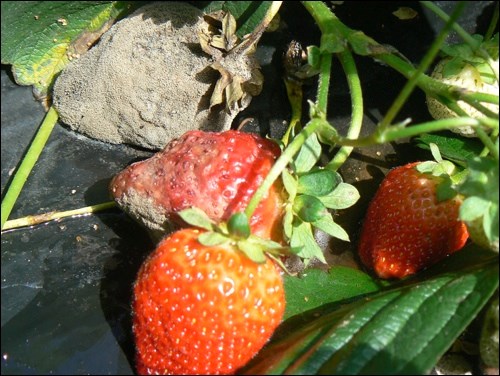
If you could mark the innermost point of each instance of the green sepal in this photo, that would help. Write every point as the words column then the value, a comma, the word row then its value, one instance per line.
column 253, row 251
column 197, row 218
column 238, row 225
column 328, row 225
column 308, row 208
column 318, row 182
column 212, row 238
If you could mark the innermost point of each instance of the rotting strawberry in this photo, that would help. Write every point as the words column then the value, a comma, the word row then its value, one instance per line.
column 202, row 309
column 216, row 172
column 406, row 227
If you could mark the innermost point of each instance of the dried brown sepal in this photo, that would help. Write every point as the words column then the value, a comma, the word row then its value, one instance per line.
column 233, row 59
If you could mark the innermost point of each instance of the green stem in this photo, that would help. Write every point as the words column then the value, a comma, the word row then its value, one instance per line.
column 493, row 23
column 354, row 83
column 395, row 132
column 281, row 164
column 324, row 82
column 424, row 65
column 28, row 163
column 46, row 217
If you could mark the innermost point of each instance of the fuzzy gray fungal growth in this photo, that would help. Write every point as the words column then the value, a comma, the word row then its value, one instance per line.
column 145, row 83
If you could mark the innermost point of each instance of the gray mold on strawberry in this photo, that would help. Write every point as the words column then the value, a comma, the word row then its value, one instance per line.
column 145, row 83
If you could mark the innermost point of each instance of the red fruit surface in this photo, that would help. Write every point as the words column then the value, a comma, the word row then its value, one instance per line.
column 216, row 172
column 405, row 228
column 203, row 310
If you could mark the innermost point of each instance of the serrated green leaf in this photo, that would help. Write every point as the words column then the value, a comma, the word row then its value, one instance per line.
column 328, row 225
column 317, row 287
column 403, row 330
column 342, row 197
column 308, row 208
column 197, row 218
column 303, row 239
column 453, row 147
column 308, row 155
column 39, row 38
column 318, row 182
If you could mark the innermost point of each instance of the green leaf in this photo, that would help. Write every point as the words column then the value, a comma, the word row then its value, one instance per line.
column 309, row 208
column 39, row 38
column 197, row 218
column 318, row 182
column 451, row 146
column 473, row 208
column 402, row 330
column 248, row 14
column 317, row 287
column 343, row 196
column 303, row 239
column 327, row 224
column 308, row 155
column 238, row 225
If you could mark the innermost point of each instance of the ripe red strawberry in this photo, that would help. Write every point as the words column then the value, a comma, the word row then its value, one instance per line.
column 216, row 172
column 203, row 309
column 406, row 229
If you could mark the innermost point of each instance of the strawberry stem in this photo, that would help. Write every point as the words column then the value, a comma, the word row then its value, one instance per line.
column 281, row 164
column 354, row 83
column 28, row 163
column 31, row 220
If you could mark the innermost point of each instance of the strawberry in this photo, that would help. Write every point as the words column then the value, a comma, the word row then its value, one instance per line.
column 216, row 172
column 202, row 309
column 464, row 68
column 406, row 227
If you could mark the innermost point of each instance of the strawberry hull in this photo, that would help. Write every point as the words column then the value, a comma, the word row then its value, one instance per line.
column 216, row 172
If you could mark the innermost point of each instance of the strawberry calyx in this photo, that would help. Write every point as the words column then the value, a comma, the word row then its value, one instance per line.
column 235, row 233
column 450, row 176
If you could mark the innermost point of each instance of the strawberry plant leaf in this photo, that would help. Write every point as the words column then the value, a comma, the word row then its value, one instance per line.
column 318, row 182
column 404, row 329
column 343, row 196
column 451, row 146
column 315, row 287
column 39, row 38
